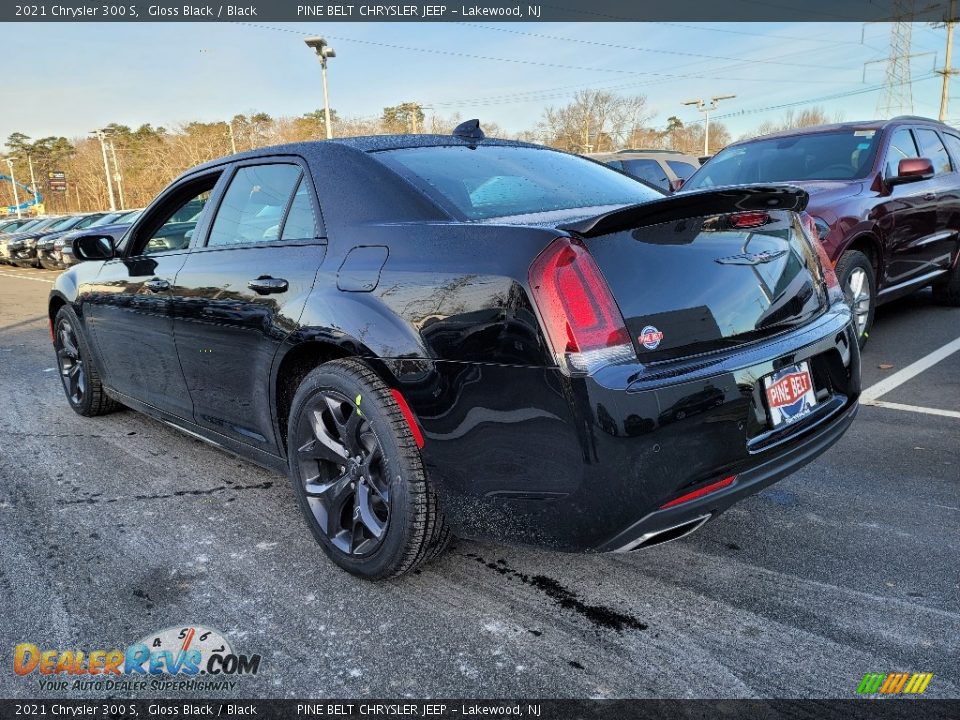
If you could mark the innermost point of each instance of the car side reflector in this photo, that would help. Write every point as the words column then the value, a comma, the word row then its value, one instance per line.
column 408, row 416
column 700, row 492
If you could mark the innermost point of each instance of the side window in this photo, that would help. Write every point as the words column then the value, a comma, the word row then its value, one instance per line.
column 615, row 164
column 931, row 147
column 252, row 207
column 953, row 144
column 682, row 169
column 901, row 147
column 301, row 223
column 174, row 226
column 648, row 170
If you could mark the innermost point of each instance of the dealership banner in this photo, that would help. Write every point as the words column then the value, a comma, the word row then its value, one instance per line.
column 483, row 10
column 440, row 709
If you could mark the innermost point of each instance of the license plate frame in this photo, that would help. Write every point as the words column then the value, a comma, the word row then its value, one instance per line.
column 789, row 394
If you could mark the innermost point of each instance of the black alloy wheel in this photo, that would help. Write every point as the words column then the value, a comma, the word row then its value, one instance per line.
column 358, row 474
column 344, row 473
column 72, row 371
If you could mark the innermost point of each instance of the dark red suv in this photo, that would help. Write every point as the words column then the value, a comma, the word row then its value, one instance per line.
column 885, row 196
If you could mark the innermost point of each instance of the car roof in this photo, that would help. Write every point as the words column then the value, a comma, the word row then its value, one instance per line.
column 643, row 155
column 362, row 143
column 852, row 125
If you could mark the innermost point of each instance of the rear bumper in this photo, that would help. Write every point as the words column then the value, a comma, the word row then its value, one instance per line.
column 529, row 455
column 748, row 482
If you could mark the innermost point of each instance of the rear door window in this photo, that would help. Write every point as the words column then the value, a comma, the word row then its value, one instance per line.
column 953, row 145
column 253, row 206
column 301, row 221
column 649, row 170
column 682, row 169
column 932, row 147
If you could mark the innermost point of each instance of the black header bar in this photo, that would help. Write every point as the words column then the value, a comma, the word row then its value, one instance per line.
column 482, row 10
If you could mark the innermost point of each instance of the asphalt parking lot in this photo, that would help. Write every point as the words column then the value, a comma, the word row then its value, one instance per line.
column 118, row 526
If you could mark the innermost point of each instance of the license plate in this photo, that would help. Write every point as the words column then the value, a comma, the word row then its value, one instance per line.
column 790, row 394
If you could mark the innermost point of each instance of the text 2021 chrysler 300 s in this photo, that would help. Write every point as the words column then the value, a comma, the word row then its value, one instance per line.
column 453, row 334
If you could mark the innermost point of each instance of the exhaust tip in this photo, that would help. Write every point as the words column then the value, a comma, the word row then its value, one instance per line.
column 659, row 537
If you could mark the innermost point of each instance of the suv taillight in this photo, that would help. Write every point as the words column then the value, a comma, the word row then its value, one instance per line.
column 826, row 267
column 580, row 317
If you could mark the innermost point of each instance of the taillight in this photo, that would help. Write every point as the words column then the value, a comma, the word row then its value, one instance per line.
column 750, row 219
column 700, row 492
column 580, row 317
column 826, row 267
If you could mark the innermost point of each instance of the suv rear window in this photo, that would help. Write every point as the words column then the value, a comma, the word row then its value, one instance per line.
column 496, row 181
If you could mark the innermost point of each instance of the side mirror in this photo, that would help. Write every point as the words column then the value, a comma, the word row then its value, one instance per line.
column 93, row 247
column 911, row 170
column 676, row 184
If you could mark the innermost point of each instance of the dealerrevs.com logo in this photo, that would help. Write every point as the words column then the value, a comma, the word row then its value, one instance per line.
column 177, row 658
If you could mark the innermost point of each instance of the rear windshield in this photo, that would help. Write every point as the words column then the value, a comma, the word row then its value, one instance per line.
column 497, row 181
column 836, row 155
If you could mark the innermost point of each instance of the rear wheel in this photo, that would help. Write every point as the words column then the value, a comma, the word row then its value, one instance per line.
column 358, row 474
column 78, row 371
column 947, row 290
column 858, row 280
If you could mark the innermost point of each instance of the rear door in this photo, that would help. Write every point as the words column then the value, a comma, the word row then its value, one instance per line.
column 128, row 306
column 241, row 292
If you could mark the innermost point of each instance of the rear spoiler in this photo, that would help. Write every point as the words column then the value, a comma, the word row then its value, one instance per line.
column 692, row 204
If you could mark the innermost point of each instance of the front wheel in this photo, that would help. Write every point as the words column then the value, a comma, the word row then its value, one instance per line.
column 78, row 371
column 858, row 280
column 946, row 291
column 358, row 475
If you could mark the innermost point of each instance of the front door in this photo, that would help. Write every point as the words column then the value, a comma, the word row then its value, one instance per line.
column 128, row 307
column 241, row 293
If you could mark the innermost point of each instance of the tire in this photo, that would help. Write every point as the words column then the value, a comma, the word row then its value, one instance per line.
column 78, row 371
column 358, row 475
column 859, row 283
column 947, row 290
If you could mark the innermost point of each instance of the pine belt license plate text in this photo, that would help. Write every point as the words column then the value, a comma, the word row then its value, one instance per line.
column 790, row 394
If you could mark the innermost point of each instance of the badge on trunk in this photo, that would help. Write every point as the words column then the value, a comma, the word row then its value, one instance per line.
column 650, row 337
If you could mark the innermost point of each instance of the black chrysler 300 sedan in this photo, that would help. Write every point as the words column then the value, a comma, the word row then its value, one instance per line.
column 438, row 335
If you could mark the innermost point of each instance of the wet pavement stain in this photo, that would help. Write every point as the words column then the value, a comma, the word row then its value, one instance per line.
column 598, row 615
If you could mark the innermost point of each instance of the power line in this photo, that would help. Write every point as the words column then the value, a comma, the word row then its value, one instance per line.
column 681, row 53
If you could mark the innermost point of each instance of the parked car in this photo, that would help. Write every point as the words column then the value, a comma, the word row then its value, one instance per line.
column 885, row 196
column 23, row 251
column 664, row 169
column 12, row 225
column 55, row 251
column 452, row 334
column 37, row 225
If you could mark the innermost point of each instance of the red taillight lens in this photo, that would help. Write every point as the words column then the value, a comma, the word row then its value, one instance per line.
column 700, row 492
column 743, row 220
column 813, row 234
column 580, row 316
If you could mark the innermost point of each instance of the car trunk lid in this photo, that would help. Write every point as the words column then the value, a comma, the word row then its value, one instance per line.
column 701, row 272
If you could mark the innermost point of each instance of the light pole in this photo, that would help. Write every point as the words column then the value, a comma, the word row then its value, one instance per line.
column 13, row 181
column 324, row 52
column 116, row 170
column 706, row 110
column 106, row 168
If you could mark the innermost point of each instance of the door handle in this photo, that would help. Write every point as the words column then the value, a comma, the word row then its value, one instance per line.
column 930, row 196
column 264, row 285
column 156, row 285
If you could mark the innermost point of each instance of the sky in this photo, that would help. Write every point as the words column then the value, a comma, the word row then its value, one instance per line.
column 69, row 78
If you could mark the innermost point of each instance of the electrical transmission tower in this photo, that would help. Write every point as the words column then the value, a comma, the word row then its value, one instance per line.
column 896, row 98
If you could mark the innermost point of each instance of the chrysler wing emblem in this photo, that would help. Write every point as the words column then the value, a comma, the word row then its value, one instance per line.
column 752, row 258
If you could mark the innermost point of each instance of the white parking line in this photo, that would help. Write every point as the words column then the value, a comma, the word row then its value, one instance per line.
column 910, row 371
column 914, row 408
column 25, row 277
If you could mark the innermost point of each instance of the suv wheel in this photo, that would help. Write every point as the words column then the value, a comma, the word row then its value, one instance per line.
column 79, row 374
column 947, row 290
column 858, row 280
column 358, row 475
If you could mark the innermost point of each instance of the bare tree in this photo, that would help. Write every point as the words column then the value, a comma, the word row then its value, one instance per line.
column 594, row 121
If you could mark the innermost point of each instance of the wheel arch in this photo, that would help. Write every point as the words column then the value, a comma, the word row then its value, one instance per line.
column 869, row 244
